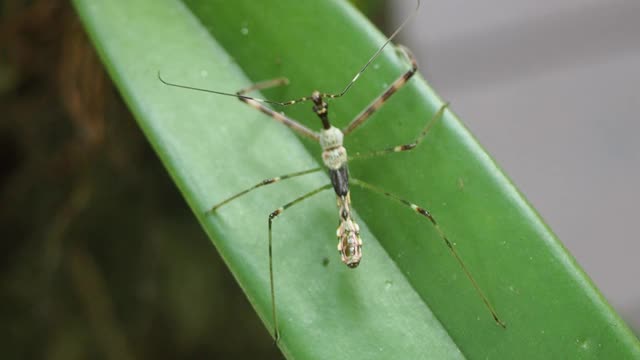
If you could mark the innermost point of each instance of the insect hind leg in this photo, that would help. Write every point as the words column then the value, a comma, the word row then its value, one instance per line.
column 425, row 213
column 273, row 216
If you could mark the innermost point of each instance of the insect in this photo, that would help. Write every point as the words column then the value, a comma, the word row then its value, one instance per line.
column 335, row 161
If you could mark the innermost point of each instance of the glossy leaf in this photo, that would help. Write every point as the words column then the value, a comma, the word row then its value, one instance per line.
column 408, row 299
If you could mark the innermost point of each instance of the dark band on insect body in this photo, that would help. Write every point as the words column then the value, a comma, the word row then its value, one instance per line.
column 340, row 180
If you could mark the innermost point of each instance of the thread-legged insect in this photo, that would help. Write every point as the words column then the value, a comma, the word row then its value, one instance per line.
column 335, row 161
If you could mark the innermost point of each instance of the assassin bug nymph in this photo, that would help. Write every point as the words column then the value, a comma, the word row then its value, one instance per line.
column 335, row 159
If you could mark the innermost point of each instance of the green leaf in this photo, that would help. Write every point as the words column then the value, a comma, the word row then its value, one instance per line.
column 409, row 299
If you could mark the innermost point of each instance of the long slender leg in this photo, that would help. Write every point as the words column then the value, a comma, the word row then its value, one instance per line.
column 260, row 184
column 264, row 85
column 455, row 254
column 254, row 103
column 404, row 147
column 272, row 216
column 377, row 102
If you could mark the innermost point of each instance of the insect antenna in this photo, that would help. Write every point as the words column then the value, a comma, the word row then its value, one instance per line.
column 375, row 55
column 240, row 94
column 236, row 95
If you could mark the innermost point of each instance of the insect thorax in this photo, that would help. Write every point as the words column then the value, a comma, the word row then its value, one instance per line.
column 334, row 155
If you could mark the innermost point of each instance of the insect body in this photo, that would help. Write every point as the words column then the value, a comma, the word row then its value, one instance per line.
column 334, row 156
column 335, row 159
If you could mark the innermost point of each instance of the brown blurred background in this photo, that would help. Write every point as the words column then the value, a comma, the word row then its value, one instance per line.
column 100, row 256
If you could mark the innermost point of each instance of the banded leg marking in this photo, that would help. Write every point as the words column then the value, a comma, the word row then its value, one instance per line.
column 257, row 104
column 392, row 89
column 260, row 184
column 404, row 147
column 272, row 216
column 424, row 212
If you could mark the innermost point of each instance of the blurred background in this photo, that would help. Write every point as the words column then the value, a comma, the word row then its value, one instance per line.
column 547, row 90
